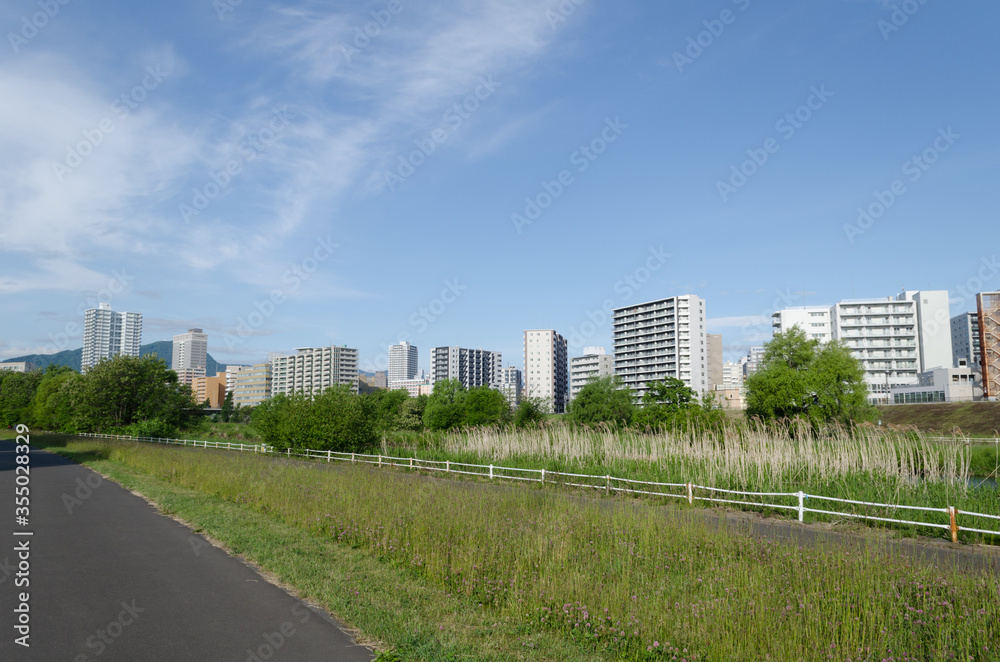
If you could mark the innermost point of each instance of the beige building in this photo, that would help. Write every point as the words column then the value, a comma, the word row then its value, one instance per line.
column 315, row 369
column 594, row 363
column 212, row 389
column 546, row 371
column 252, row 385
column 16, row 366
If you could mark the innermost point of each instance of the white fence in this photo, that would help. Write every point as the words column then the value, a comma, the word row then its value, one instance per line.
column 687, row 491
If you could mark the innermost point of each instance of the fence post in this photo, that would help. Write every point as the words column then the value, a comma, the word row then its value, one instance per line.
column 690, row 494
column 380, row 460
column 447, row 466
column 543, row 476
column 802, row 505
column 607, row 484
column 491, row 472
column 329, row 454
column 411, row 462
column 953, row 513
column 288, row 451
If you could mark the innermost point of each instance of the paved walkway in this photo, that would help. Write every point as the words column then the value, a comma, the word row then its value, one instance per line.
column 112, row 579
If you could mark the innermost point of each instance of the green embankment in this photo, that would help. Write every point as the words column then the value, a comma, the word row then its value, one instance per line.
column 445, row 570
column 980, row 419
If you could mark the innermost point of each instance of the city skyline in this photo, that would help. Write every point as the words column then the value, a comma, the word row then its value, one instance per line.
column 269, row 176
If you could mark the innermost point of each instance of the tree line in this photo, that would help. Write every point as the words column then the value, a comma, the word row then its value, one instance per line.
column 798, row 380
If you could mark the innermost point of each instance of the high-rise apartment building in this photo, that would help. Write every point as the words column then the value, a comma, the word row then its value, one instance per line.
column 594, row 364
column 813, row 320
column 472, row 367
column 510, row 385
column 894, row 338
column 252, row 386
column 660, row 339
column 965, row 344
column 988, row 307
column 190, row 350
column 107, row 334
column 402, row 362
column 315, row 369
column 545, row 367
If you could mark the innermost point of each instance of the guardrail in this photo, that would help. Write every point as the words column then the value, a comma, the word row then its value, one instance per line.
column 690, row 492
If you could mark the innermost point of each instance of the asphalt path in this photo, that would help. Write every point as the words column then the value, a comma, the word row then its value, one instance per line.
column 109, row 578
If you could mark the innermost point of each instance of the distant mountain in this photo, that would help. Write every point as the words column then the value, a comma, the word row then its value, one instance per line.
column 164, row 349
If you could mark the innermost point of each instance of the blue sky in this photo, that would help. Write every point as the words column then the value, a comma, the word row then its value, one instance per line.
column 299, row 174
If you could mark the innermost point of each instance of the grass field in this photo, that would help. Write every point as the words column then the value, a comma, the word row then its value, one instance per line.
column 463, row 570
column 870, row 465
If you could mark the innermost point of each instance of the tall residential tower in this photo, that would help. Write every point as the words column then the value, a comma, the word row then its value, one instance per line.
column 107, row 334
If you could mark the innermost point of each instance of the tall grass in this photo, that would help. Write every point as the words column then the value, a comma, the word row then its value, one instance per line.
column 867, row 464
column 632, row 581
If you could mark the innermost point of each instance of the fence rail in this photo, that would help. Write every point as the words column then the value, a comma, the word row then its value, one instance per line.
column 689, row 491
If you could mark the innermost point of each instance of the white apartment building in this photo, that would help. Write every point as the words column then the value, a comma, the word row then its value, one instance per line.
column 402, row 362
column 594, row 364
column 660, row 339
column 251, row 386
column 815, row 321
column 965, row 343
column 545, row 368
column 472, row 367
column 895, row 338
column 190, row 351
column 415, row 387
column 510, row 385
column 732, row 376
column 231, row 372
column 315, row 369
column 107, row 334
column 15, row 366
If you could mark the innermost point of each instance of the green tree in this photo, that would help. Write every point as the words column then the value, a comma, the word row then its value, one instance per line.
column 529, row 412
column 798, row 378
column 603, row 400
column 668, row 403
column 486, row 406
column 17, row 389
column 411, row 413
column 46, row 402
column 226, row 411
column 124, row 390
column 446, row 406
column 387, row 406
column 336, row 420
